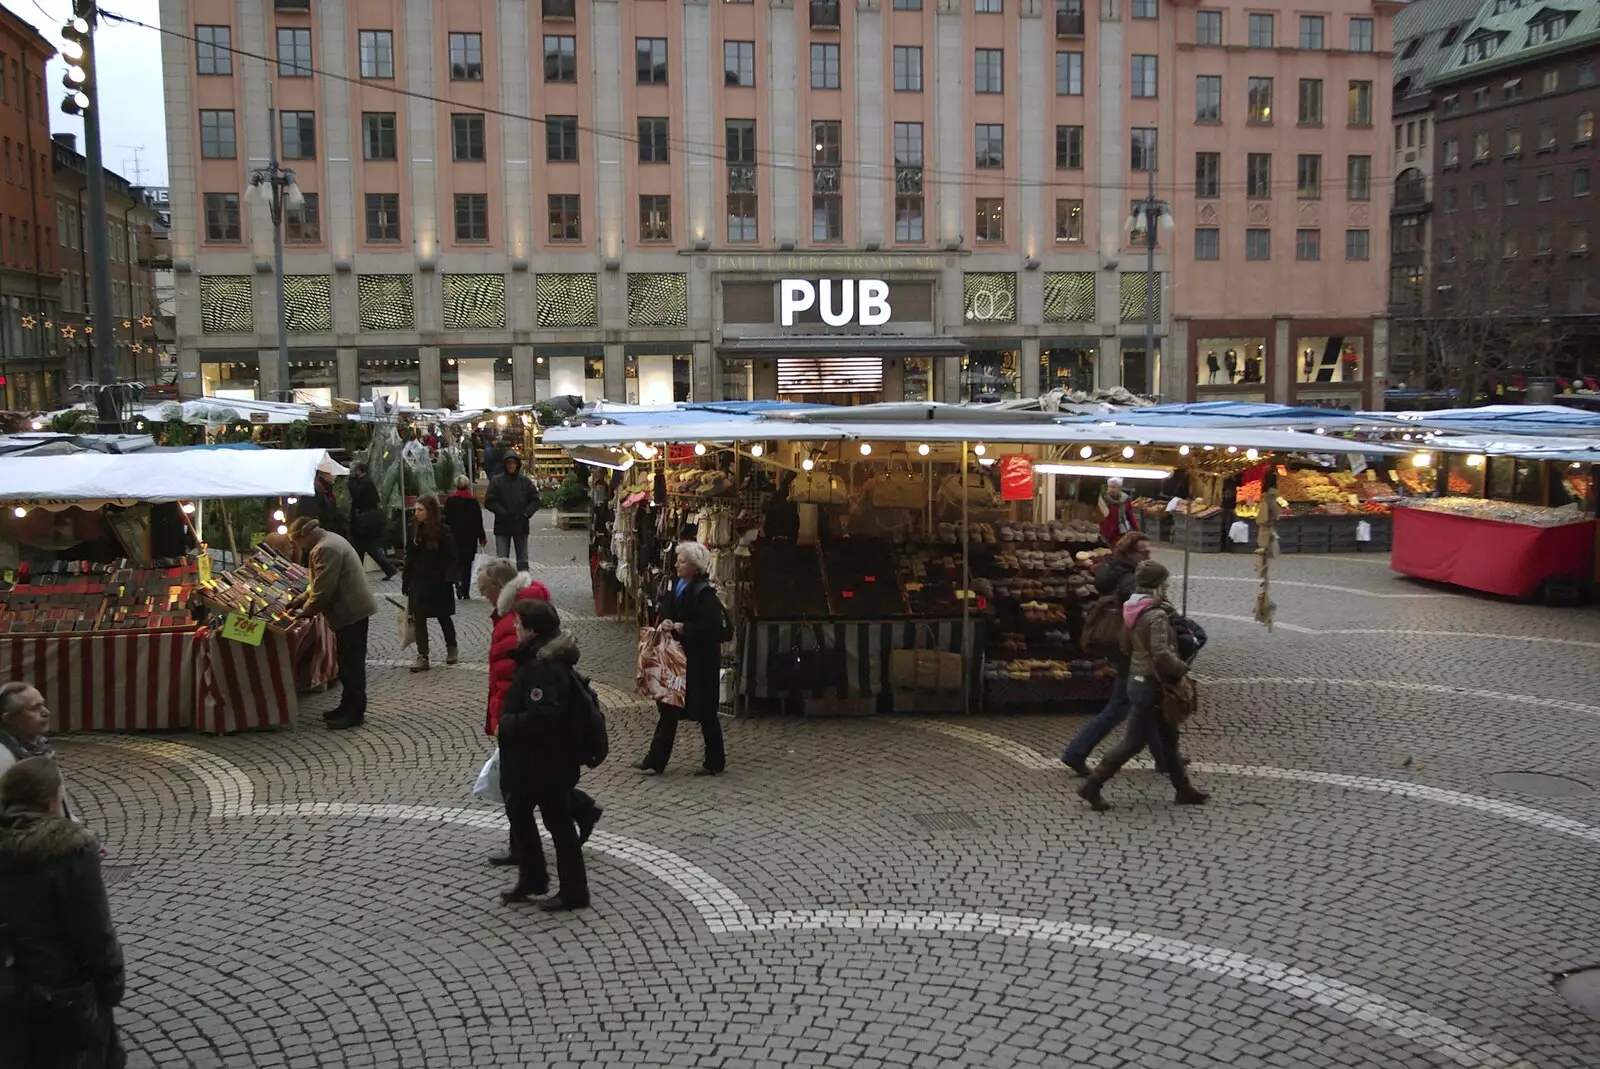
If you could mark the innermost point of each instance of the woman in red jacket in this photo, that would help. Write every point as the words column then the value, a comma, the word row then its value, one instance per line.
column 503, row 586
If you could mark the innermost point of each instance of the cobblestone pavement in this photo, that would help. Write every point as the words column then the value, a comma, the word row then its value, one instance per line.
column 1368, row 888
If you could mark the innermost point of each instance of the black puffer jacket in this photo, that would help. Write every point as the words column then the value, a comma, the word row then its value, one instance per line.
column 428, row 576
column 511, row 499
column 54, row 917
column 540, row 729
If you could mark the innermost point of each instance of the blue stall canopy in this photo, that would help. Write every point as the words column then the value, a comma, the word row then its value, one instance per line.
column 1538, row 420
column 1240, row 414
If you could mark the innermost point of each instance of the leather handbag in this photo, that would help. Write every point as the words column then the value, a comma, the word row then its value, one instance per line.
column 799, row 668
column 899, row 487
column 925, row 670
column 974, row 488
column 1179, row 701
column 818, row 488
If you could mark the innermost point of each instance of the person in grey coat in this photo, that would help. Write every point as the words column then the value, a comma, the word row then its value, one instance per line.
column 340, row 595
column 512, row 499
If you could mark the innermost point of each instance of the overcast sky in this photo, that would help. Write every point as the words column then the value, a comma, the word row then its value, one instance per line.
column 128, row 65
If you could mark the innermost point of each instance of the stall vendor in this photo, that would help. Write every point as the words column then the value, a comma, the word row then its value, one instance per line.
column 1117, row 512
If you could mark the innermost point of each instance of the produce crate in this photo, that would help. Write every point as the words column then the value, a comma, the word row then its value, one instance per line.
column 1342, row 534
column 1304, row 534
column 1157, row 525
column 922, row 701
column 1207, row 536
column 1047, row 692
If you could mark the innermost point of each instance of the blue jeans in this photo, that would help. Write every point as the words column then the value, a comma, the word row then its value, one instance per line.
column 503, row 545
column 1105, row 722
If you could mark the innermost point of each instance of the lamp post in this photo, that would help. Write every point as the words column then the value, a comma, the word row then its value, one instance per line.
column 1143, row 221
column 274, row 188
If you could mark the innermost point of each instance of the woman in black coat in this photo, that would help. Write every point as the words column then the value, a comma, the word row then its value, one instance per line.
column 66, row 976
column 428, row 579
column 464, row 516
column 367, row 520
column 540, row 736
column 694, row 612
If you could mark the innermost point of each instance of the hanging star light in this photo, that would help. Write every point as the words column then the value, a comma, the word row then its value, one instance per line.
column 147, row 321
column 88, row 330
column 126, row 323
column 28, row 322
column 68, row 332
column 49, row 325
column 138, row 348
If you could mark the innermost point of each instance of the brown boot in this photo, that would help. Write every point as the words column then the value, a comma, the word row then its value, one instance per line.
column 420, row 664
column 1090, row 791
column 1186, row 793
column 451, row 655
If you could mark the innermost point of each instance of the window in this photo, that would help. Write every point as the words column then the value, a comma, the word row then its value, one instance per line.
column 1509, row 193
column 1480, row 148
column 466, row 57
column 908, row 5
column 1449, row 198
column 1258, row 175
column 907, row 69
column 652, row 139
column 1358, row 178
column 1259, row 107
column 1578, row 240
column 1208, row 27
column 1547, row 135
column 222, row 216
column 1451, row 152
column 559, row 9
column 1514, row 142
column 1207, row 243
column 299, row 134
column 824, row 66
column 1260, row 31
column 303, row 225
column 1585, row 127
column 383, row 217
column 472, row 217
column 376, row 48
column 991, row 219
column 1548, row 29
column 739, row 63
column 908, row 144
column 1360, row 103
column 1544, row 185
column 1069, row 148
column 1311, row 32
column 1311, row 102
column 1069, row 18
column 827, row 203
column 1208, row 98
column 1069, row 74
column 217, row 136
column 1308, row 177
column 655, row 218
column 1142, row 156
column 1586, row 74
column 213, row 49
column 561, row 138
column 1580, row 182
column 1549, row 82
column 1069, row 222
column 1480, row 48
column 1451, row 105
column 1480, row 196
column 565, row 217
column 1144, row 76
column 827, row 217
column 1422, row 132
column 1207, row 174
column 1513, row 89
column 1308, row 244
column 908, row 217
column 1361, row 35
column 1475, row 247
column 1357, row 244
column 741, row 140
column 1541, row 241
column 467, row 138
column 989, row 70
column 378, row 135
column 742, row 217
column 990, row 142
column 560, row 58
column 1481, row 98
column 1508, row 244
column 826, row 137
column 1143, row 9
column 650, row 60
column 1257, row 244
column 988, row 7
column 294, row 52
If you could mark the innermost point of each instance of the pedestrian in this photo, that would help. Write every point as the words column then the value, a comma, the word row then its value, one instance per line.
column 321, row 505
column 64, row 975
column 338, row 592
column 1113, row 579
column 464, row 516
column 427, row 582
column 695, row 614
column 512, row 499
column 493, row 454
column 1117, row 513
column 24, row 718
column 368, row 524
column 1154, row 661
column 504, row 586
column 540, row 756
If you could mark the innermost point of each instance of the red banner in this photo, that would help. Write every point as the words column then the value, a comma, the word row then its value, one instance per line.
column 1016, row 477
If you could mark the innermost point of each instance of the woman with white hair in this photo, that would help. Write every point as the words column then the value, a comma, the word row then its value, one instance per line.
column 1118, row 515
column 693, row 611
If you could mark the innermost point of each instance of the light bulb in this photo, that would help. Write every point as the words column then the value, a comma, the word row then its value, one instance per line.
column 641, row 448
column 1233, row 449
column 1422, row 460
column 501, row 420
column 188, row 508
column 866, row 449
column 1475, row 460
column 980, row 449
column 807, row 464
column 1252, row 454
column 290, row 500
column 1183, row 450
column 278, row 515
column 19, row 512
column 282, row 529
column 1127, row 452
column 923, row 450
column 1086, row 452
column 756, row 450
column 699, row 449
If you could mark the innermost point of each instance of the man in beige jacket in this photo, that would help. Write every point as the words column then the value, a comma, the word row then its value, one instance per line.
column 340, row 595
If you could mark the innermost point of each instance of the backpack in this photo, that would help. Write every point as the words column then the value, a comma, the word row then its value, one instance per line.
column 593, row 743
column 1104, row 634
column 1191, row 636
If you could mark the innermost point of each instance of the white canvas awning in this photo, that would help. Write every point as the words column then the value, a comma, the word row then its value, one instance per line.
column 89, row 480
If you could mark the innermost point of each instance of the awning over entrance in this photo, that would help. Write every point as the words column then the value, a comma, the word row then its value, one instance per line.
column 854, row 344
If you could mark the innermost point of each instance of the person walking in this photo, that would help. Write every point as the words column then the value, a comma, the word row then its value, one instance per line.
column 464, row 516
column 1117, row 513
column 540, row 756
column 504, row 587
column 512, row 499
column 338, row 592
column 1154, row 661
column 322, row 507
column 426, row 580
column 1114, row 579
column 63, row 974
column 368, row 525
column 694, row 612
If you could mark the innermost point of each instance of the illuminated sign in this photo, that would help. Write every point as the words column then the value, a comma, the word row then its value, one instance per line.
column 839, row 301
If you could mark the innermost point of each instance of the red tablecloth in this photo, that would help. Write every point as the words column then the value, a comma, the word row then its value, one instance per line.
column 247, row 687
column 1498, row 558
column 128, row 681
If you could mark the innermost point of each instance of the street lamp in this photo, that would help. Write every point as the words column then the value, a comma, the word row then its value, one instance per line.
column 1143, row 221
column 273, row 187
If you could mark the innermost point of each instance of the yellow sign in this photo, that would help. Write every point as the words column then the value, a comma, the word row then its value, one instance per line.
column 202, row 567
column 244, row 629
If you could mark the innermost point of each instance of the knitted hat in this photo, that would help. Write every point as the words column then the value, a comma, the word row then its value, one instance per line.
column 1150, row 574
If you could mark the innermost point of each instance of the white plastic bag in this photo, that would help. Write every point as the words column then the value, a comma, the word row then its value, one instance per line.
column 487, row 786
column 1239, row 532
column 1363, row 531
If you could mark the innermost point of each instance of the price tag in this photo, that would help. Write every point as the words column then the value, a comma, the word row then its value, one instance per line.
column 244, row 629
column 202, row 565
column 11, row 577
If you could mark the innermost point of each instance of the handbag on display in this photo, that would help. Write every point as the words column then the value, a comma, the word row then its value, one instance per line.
column 897, row 487
column 818, row 488
column 974, row 489
column 925, row 670
column 799, row 668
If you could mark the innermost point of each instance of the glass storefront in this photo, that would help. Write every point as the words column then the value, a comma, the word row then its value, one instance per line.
column 917, row 378
column 570, row 376
column 1141, row 370
column 1068, row 367
column 475, row 382
column 1328, row 358
column 990, row 375
column 1231, row 362
column 738, row 380
column 237, row 380
column 398, row 380
column 314, row 382
column 659, row 380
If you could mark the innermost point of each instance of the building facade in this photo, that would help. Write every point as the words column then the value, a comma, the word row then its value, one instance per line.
column 30, row 359
column 918, row 199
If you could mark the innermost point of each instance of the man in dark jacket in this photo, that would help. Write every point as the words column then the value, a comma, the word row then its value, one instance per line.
column 1115, row 578
column 540, row 737
column 322, row 507
column 367, row 521
column 512, row 500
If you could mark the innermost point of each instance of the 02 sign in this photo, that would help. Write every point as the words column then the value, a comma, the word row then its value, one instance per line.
column 864, row 300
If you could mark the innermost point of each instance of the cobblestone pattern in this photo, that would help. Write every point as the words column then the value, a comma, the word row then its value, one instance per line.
column 286, row 939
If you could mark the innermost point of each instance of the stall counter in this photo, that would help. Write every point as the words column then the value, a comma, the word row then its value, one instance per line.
column 1493, row 556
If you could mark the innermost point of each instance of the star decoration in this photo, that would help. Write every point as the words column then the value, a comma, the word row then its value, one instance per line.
column 68, row 332
column 126, row 323
column 88, row 330
column 28, row 322
column 49, row 325
column 138, row 348
column 147, row 321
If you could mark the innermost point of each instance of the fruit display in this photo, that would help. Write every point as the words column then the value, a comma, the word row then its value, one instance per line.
column 1503, row 511
column 1308, row 486
column 75, row 597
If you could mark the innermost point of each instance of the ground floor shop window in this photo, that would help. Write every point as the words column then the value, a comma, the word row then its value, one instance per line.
column 738, row 380
column 1231, row 361
column 989, row 375
column 1328, row 358
column 314, row 382
column 1069, row 367
column 571, row 376
column 659, row 380
column 237, row 380
column 1140, row 369
column 917, row 378
column 399, row 380
column 475, row 382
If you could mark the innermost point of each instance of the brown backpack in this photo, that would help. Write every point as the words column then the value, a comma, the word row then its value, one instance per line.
column 1104, row 633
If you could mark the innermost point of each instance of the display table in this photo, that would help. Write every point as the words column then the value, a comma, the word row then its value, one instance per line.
column 866, row 644
column 1496, row 557
column 247, row 687
column 132, row 681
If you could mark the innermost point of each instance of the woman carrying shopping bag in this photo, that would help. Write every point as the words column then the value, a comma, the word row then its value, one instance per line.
column 464, row 516
column 695, row 615
column 426, row 579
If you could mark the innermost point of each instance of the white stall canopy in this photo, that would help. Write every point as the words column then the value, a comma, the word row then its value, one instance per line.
column 89, row 480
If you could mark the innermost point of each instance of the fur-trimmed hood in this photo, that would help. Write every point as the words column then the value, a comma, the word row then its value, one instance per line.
column 520, row 586
column 29, row 835
column 563, row 647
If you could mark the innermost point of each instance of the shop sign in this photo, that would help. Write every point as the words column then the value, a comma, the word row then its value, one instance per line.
column 244, row 629
column 862, row 300
column 1016, row 477
column 826, row 263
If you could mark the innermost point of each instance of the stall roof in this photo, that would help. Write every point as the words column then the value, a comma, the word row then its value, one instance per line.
column 99, row 478
column 1546, row 420
column 1238, row 414
column 218, row 411
column 1526, row 447
column 51, row 443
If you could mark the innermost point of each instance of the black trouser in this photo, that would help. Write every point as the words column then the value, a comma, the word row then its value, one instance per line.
column 352, row 639
column 667, row 732
column 379, row 555
column 583, row 807
column 447, row 626
column 464, row 558
column 1146, row 727
column 555, row 809
column 73, row 1030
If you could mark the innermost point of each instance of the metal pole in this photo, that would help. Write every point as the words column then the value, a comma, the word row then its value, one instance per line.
column 275, row 188
column 105, row 339
column 966, row 590
column 1150, row 275
column 133, row 313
